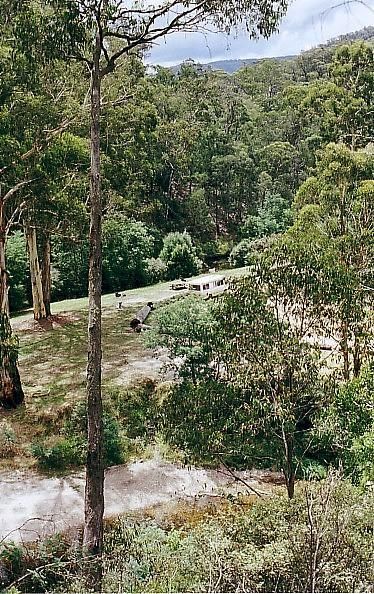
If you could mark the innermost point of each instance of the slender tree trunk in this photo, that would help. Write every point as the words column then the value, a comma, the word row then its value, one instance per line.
column 345, row 349
column 46, row 272
column 357, row 362
column 216, row 214
column 94, row 492
column 4, row 289
column 35, row 274
column 289, row 468
column 11, row 393
column 291, row 485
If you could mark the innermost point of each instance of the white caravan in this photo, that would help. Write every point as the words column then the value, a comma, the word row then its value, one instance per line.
column 208, row 285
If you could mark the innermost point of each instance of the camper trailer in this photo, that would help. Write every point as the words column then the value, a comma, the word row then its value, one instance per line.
column 208, row 285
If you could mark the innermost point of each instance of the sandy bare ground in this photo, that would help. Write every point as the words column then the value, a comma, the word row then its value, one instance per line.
column 33, row 507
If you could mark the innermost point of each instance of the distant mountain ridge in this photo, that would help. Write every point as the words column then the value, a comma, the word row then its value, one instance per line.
column 231, row 66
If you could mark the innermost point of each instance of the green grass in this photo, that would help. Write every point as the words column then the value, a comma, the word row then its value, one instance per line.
column 53, row 358
column 144, row 294
column 52, row 366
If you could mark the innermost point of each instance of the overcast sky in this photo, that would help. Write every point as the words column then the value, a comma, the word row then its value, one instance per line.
column 308, row 23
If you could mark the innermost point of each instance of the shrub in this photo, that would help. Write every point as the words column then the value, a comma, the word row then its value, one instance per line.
column 247, row 251
column 137, row 409
column 11, row 556
column 179, row 255
column 360, row 456
column 39, row 566
column 265, row 547
column 240, row 253
column 8, row 440
column 311, row 469
column 219, row 249
column 346, row 427
column 146, row 558
column 155, row 270
column 114, row 441
column 57, row 453
column 114, row 444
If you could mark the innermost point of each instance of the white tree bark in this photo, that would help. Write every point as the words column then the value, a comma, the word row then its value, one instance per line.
column 35, row 273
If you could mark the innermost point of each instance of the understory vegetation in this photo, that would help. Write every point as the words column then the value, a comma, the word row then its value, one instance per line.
column 130, row 427
column 316, row 542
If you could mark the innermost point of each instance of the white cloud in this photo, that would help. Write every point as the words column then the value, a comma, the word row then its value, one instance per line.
column 307, row 24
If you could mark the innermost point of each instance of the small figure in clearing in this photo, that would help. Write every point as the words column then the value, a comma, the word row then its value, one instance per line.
column 120, row 297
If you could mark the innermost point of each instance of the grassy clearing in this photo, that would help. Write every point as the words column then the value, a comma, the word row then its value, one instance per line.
column 52, row 367
column 141, row 295
column 53, row 358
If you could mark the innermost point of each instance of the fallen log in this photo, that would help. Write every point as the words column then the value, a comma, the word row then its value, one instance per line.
column 141, row 316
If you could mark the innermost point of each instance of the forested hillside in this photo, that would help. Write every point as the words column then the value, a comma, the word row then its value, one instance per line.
column 214, row 156
column 229, row 416
column 230, row 66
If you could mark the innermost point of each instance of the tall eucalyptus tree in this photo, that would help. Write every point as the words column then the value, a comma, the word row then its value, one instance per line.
column 29, row 42
column 114, row 30
column 101, row 33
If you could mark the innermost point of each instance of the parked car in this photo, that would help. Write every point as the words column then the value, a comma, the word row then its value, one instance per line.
column 178, row 285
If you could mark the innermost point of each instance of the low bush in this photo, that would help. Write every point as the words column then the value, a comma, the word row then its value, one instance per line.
column 346, row 427
column 130, row 424
column 311, row 469
column 8, row 440
column 239, row 255
column 11, row 556
column 136, row 409
column 57, row 453
column 38, row 566
column 266, row 547
column 320, row 541
column 155, row 270
column 248, row 251
column 114, row 440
